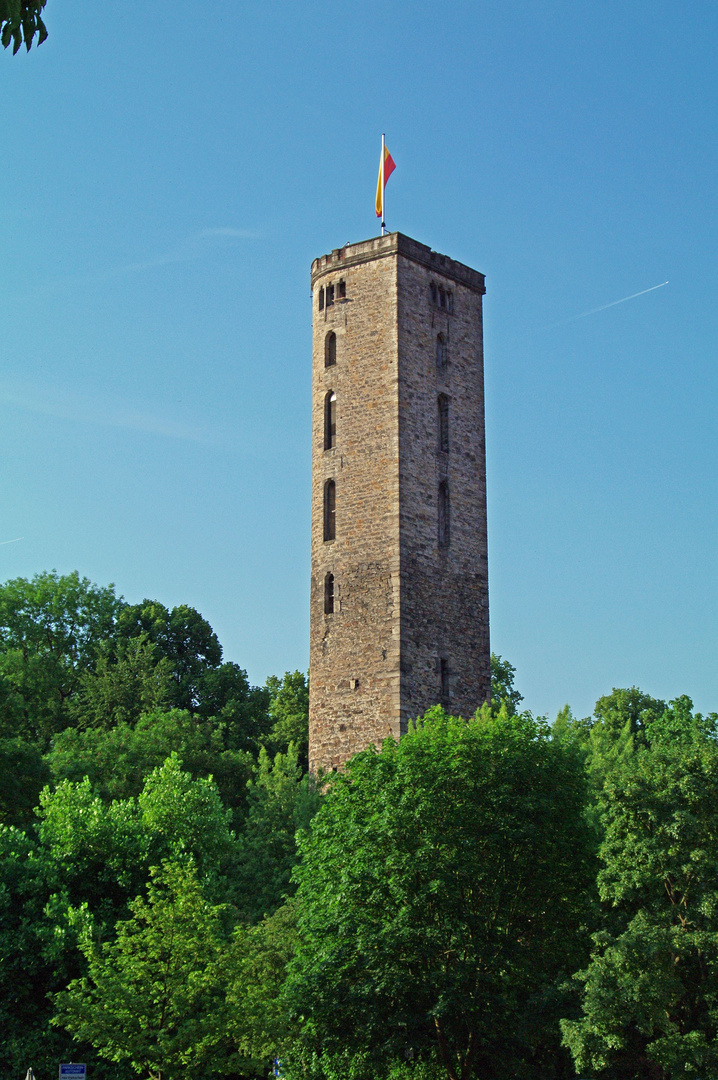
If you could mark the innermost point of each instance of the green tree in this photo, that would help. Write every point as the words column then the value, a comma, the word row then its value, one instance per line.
column 26, row 972
column 21, row 20
column 289, row 713
column 619, row 725
column 280, row 805
column 650, row 991
column 181, row 816
column 118, row 761
column 103, row 851
column 155, row 996
column 225, row 696
column 98, row 851
column 129, row 678
column 441, row 893
column 23, row 775
column 630, row 710
column 38, row 951
column 503, row 693
column 91, row 856
column 51, row 628
column 183, row 637
column 260, row 955
column 200, row 683
column 74, row 654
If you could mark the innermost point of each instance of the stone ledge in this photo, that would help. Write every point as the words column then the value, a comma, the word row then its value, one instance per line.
column 381, row 247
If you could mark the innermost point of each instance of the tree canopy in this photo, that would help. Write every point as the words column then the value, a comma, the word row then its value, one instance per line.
column 503, row 692
column 51, row 629
column 127, row 744
column 461, row 902
column 437, row 892
column 154, row 995
column 650, row 991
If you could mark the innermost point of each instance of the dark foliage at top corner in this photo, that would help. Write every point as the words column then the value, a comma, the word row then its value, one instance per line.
column 21, row 21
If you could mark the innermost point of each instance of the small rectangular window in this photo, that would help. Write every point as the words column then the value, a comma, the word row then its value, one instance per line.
column 444, row 514
column 321, row 299
column 441, row 352
column 330, row 295
column 329, row 594
column 342, row 290
column 443, row 423
column 444, row 677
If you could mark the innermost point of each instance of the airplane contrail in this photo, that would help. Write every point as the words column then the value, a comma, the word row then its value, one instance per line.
column 613, row 303
column 11, row 541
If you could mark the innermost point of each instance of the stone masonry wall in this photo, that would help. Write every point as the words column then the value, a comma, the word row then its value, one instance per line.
column 444, row 609
column 401, row 602
column 354, row 652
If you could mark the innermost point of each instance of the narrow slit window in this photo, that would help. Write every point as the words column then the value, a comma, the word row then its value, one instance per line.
column 321, row 299
column 329, row 594
column 330, row 295
column 449, row 301
column 444, row 514
column 342, row 290
column 442, row 298
column 330, row 510
column 444, row 677
column 441, row 353
column 330, row 420
column 434, row 294
column 330, row 349
column 443, row 423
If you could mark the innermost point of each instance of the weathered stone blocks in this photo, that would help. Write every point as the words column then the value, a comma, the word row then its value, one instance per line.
column 410, row 620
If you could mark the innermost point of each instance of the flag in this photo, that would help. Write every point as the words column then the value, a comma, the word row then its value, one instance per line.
column 389, row 167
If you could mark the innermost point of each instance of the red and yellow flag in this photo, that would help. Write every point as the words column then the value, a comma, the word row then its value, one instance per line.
column 389, row 167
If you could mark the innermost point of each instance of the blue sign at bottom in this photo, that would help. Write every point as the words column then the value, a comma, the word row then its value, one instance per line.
column 73, row 1072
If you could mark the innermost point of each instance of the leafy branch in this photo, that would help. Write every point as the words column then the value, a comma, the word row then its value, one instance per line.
column 21, row 20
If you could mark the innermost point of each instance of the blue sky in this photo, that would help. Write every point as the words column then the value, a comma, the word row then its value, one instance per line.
column 169, row 171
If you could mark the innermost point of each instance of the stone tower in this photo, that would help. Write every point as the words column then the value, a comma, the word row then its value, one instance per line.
column 399, row 590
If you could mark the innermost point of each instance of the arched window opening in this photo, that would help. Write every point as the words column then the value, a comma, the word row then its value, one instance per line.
column 342, row 290
column 441, row 353
column 330, row 349
column 329, row 594
column 330, row 295
column 443, row 423
column 330, row 420
column 330, row 510
column 444, row 515
column 321, row 299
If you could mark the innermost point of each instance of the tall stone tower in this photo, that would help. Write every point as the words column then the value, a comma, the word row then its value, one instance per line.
column 399, row 591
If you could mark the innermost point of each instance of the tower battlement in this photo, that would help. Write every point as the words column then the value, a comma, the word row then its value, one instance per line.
column 399, row 587
column 398, row 244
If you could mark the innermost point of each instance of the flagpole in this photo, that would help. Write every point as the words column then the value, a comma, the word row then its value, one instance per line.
column 383, row 152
